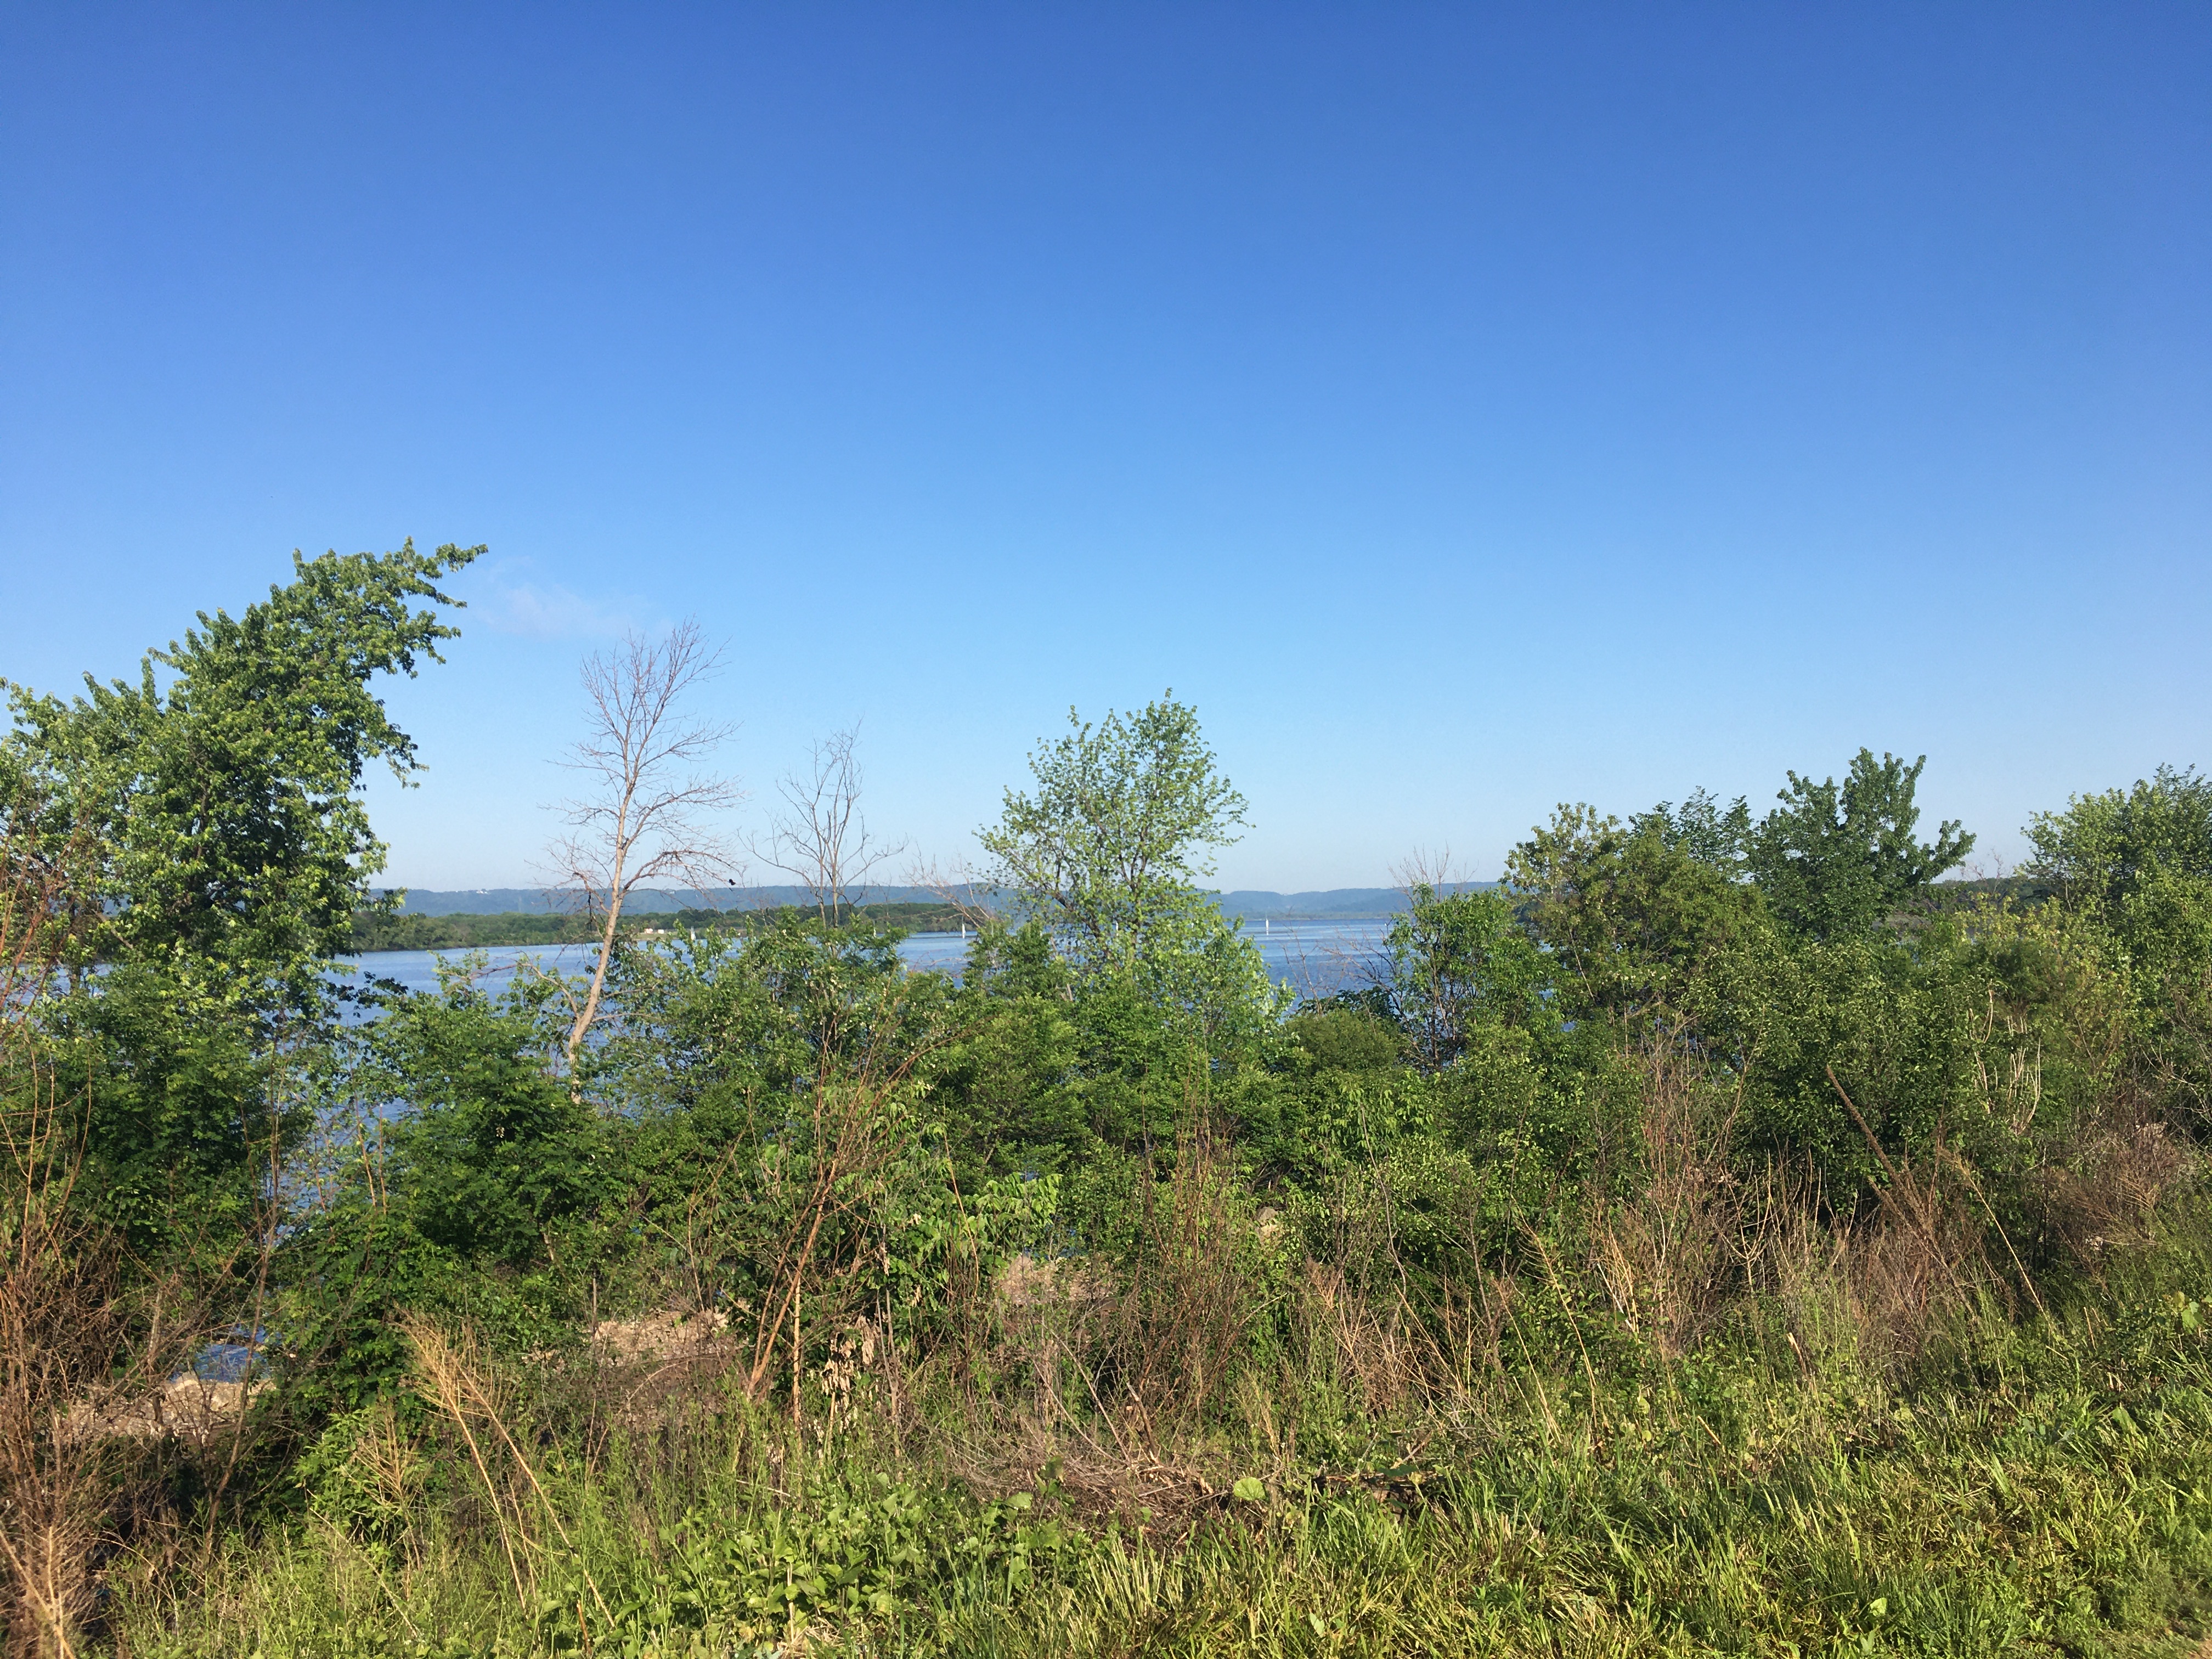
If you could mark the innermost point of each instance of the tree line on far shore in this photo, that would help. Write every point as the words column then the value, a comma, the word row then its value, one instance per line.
column 460, row 930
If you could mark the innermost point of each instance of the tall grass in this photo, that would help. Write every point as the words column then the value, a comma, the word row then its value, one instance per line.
column 1792, row 1482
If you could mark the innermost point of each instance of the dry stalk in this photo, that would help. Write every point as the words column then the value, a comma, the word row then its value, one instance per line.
column 1179, row 1326
column 854, row 1134
column 1661, row 1257
column 439, row 1370
column 61, row 1328
column 462, row 1388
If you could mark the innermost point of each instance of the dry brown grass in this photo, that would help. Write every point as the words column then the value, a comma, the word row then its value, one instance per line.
column 1370, row 1341
column 1665, row 1255
column 61, row 1331
column 59, row 1335
column 1181, row 1324
column 2101, row 1197
column 1117, row 1378
column 1915, row 1264
column 461, row 1383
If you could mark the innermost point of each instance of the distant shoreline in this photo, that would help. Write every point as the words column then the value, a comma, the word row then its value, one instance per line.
column 374, row 931
column 652, row 914
column 405, row 930
column 1325, row 904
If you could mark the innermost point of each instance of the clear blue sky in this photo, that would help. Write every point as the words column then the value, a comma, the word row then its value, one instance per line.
column 1468, row 409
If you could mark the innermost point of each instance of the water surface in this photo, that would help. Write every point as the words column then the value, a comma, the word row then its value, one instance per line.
column 1315, row 959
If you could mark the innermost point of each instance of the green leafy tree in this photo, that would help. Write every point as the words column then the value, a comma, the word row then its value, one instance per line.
column 2137, row 866
column 1105, row 854
column 1634, row 915
column 1010, row 1086
column 218, row 797
column 768, row 1013
column 493, row 1161
column 1836, row 861
column 1898, row 1025
column 1458, row 962
column 455, row 1175
column 221, row 787
column 2140, row 861
column 1109, row 848
column 1337, row 1092
column 1702, row 829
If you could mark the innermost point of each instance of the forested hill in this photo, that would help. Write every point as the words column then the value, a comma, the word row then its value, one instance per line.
column 1333, row 903
column 527, row 915
column 472, row 919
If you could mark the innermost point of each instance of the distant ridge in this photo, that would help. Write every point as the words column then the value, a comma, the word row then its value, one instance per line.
column 1333, row 903
column 536, row 901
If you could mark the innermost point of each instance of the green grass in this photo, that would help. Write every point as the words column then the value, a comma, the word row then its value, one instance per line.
column 2034, row 1491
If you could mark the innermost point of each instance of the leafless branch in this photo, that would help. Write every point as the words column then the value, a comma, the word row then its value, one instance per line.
column 1423, row 867
column 959, row 886
column 821, row 836
column 646, row 816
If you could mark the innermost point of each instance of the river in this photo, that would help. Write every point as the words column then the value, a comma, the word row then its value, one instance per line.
column 1315, row 959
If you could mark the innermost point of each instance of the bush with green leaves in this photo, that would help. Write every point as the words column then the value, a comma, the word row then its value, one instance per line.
column 217, row 797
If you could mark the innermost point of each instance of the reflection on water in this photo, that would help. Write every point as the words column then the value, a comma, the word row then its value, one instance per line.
column 1316, row 958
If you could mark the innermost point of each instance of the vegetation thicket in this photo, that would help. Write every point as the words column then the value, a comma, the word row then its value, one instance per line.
column 1717, row 1239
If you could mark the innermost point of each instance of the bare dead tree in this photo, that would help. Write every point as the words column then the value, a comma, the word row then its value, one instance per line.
column 821, row 836
column 959, row 886
column 1432, row 868
column 646, row 815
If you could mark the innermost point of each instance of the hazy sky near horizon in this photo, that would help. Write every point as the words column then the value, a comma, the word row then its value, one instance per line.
column 1468, row 408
